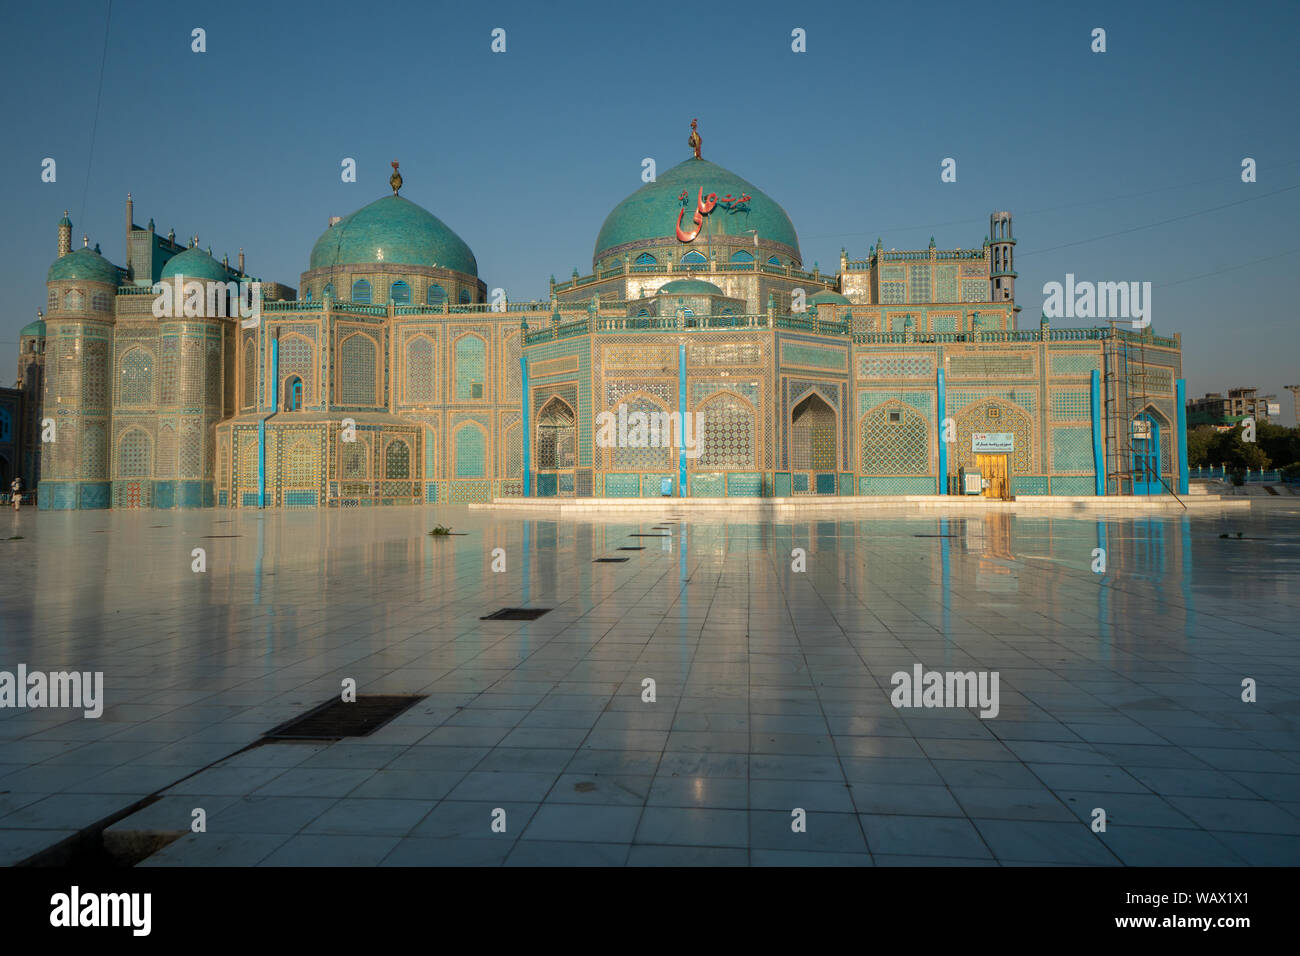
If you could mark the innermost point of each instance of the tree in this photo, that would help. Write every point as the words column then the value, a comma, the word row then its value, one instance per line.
column 1228, row 448
column 1199, row 440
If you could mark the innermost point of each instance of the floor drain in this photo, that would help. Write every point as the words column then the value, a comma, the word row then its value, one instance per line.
column 610, row 560
column 336, row 719
column 633, row 547
column 516, row 614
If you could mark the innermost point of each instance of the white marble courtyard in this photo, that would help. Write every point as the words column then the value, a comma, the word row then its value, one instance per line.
column 1119, row 690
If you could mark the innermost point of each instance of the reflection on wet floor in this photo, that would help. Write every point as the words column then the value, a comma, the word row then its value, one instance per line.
column 1120, row 688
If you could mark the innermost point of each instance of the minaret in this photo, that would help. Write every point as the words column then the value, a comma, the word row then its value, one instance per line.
column 1002, row 273
column 241, row 260
column 130, row 214
column 65, row 235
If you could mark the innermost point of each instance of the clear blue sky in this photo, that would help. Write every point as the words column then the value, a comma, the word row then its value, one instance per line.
column 524, row 153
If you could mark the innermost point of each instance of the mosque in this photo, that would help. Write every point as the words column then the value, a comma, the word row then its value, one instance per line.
column 391, row 376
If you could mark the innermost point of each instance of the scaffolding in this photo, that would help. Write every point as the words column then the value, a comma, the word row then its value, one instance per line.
column 1121, row 387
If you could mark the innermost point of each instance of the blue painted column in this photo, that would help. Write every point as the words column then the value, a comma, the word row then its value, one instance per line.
column 527, row 426
column 941, row 414
column 261, row 426
column 1180, row 398
column 1098, row 461
column 681, row 430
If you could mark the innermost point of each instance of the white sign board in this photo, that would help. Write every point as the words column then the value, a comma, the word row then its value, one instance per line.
column 993, row 443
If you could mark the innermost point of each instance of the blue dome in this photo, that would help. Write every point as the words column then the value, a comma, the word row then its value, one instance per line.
column 85, row 265
column 689, row 287
column 833, row 298
column 196, row 264
column 393, row 230
column 36, row 329
column 651, row 211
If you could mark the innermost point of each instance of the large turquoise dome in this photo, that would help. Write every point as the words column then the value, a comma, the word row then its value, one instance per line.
column 196, row 264
column 85, row 265
column 651, row 211
column 392, row 230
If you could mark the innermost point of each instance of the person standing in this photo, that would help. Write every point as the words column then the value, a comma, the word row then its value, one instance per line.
column 16, row 492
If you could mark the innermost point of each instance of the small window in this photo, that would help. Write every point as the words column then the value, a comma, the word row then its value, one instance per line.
column 694, row 258
column 361, row 291
column 436, row 295
column 645, row 260
column 307, row 294
column 400, row 293
column 328, row 291
column 741, row 256
column 465, row 297
column 995, row 412
column 773, row 261
column 895, row 417
column 476, row 390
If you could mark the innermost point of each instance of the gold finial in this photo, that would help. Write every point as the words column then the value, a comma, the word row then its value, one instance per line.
column 395, row 180
column 694, row 141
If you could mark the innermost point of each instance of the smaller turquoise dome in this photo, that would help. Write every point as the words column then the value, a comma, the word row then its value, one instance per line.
column 196, row 264
column 36, row 329
column 86, row 265
column 689, row 287
column 829, row 298
column 396, row 231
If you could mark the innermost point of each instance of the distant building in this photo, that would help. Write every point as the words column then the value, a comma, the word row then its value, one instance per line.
column 1241, row 403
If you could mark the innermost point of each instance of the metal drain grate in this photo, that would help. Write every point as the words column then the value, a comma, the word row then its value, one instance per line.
column 632, row 547
column 516, row 614
column 610, row 560
column 334, row 719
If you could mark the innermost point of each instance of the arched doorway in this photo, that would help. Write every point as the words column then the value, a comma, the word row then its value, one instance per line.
column 557, row 444
column 292, row 394
column 1146, row 455
column 812, row 446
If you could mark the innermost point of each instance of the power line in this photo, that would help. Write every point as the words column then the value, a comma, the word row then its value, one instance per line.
column 1216, row 272
column 94, row 126
column 1045, row 209
column 1162, row 222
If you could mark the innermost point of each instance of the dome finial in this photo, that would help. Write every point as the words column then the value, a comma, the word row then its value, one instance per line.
column 395, row 180
column 695, row 141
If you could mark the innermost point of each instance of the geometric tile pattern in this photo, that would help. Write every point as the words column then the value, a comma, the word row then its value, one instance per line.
column 899, row 447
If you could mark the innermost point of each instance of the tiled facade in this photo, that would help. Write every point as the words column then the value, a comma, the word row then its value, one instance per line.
column 390, row 378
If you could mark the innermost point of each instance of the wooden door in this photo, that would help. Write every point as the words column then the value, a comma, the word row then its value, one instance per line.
column 994, row 470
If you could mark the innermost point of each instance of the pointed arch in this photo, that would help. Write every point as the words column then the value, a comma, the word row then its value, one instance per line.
column 297, row 360
column 397, row 460
column 727, row 428
column 469, row 444
column 556, row 435
column 469, row 367
column 357, row 370
column 813, row 424
column 997, row 415
column 894, row 439
column 136, row 377
column 420, row 382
